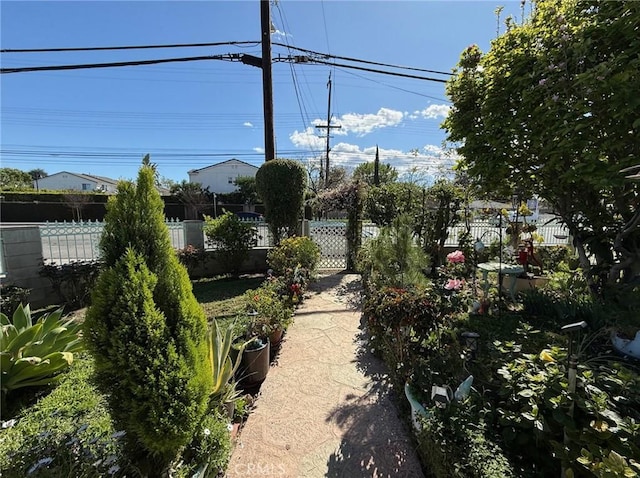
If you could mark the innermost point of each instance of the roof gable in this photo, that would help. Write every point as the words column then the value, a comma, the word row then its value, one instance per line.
column 86, row 177
column 227, row 162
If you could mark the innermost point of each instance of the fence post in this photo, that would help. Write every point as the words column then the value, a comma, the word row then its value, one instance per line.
column 303, row 228
column 193, row 234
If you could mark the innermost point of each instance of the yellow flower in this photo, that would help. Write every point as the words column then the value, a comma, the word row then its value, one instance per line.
column 545, row 356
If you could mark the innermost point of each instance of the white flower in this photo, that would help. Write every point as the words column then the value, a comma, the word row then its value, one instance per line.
column 207, row 432
column 230, row 427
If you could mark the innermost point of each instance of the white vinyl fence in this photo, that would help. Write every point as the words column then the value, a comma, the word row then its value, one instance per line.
column 64, row 242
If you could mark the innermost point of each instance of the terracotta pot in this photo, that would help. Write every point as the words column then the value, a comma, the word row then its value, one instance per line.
column 276, row 337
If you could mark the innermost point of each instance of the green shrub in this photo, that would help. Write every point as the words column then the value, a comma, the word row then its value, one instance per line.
column 232, row 238
column 281, row 184
column 146, row 330
column 73, row 281
column 394, row 257
column 191, row 257
column 65, row 433
column 294, row 252
column 208, row 453
column 455, row 443
column 35, row 353
column 11, row 296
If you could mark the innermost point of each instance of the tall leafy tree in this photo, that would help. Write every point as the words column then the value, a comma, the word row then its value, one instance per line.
column 552, row 109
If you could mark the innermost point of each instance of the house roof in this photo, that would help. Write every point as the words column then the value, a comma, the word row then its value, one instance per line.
column 88, row 177
column 232, row 160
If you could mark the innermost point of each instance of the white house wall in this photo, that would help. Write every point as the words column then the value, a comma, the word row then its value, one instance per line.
column 66, row 181
column 220, row 178
column 72, row 182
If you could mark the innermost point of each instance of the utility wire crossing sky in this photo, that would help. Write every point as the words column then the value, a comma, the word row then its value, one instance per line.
column 81, row 93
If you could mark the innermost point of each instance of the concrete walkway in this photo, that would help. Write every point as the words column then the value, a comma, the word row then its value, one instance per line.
column 324, row 409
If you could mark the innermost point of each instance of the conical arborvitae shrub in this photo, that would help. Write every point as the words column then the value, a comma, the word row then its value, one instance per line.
column 145, row 328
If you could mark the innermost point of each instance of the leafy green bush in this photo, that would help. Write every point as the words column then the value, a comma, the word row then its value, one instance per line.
column 11, row 296
column 191, row 257
column 35, row 353
column 65, row 433
column 536, row 410
column 146, row 330
column 72, row 281
column 455, row 443
column 294, row 252
column 281, row 184
column 232, row 238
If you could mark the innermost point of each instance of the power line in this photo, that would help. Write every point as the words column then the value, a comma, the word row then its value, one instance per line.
column 371, row 70
column 131, row 47
column 227, row 57
column 394, row 87
column 88, row 66
column 238, row 43
column 357, row 60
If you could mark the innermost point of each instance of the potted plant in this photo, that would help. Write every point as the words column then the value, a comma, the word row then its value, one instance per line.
column 255, row 362
column 271, row 313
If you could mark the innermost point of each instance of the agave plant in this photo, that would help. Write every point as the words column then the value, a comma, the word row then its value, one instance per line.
column 34, row 353
column 222, row 366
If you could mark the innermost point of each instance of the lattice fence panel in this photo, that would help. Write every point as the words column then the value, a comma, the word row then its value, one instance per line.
column 331, row 237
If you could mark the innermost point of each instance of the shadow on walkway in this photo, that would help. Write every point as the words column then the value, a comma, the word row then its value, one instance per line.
column 375, row 442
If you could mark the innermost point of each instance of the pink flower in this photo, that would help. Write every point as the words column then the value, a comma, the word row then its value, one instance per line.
column 455, row 256
column 454, row 284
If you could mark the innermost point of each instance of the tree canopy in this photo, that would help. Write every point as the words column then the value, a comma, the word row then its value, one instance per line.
column 552, row 108
column 12, row 179
column 365, row 172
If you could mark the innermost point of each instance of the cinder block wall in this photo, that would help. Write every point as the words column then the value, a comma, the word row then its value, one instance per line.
column 22, row 253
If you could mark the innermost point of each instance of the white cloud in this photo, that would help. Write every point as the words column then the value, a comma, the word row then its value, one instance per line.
column 248, row 124
column 279, row 33
column 421, row 166
column 345, row 148
column 434, row 111
column 307, row 139
column 362, row 124
column 258, row 149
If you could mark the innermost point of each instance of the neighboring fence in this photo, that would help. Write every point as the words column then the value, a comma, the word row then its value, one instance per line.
column 332, row 239
column 552, row 232
column 64, row 242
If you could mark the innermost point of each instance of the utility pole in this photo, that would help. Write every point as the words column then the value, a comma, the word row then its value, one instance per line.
column 328, row 126
column 267, row 83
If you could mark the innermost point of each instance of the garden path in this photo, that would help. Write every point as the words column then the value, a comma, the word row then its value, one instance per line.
column 325, row 408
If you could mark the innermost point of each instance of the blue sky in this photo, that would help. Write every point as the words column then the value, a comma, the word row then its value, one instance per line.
column 192, row 115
